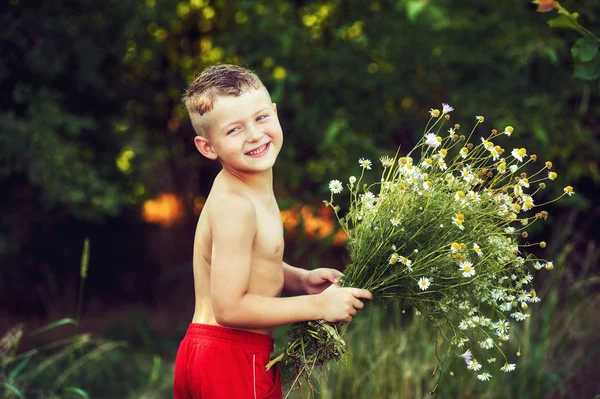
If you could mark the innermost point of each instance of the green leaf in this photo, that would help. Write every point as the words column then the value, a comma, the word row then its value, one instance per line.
column 77, row 391
column 13, row 389
column 58, row 323
column 413, row 9
column 587, row 70
column 13, row 374
column 563, row 21
column 585, row 49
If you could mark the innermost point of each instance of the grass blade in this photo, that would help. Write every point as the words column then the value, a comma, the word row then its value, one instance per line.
column 77, row 391
column 13, row 389
column 56, row 324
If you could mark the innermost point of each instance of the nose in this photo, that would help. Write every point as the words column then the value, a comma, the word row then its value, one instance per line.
column 255, row 133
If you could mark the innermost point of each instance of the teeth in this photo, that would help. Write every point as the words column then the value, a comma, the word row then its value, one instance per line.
column 258, row 150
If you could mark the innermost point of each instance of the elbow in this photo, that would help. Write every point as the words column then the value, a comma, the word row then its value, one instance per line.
column 226, row 317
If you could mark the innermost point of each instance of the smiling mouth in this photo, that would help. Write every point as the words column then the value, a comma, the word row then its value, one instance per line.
column 259, row 151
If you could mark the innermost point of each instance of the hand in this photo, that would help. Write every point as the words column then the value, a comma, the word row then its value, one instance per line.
column 340, row 304
column 316, row 281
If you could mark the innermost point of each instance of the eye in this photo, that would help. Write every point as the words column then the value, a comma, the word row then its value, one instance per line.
column 235, row 129
column 262, row 117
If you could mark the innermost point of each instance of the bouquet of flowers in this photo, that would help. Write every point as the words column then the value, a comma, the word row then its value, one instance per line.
column 446, row 234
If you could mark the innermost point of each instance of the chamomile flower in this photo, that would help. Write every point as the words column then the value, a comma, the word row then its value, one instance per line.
column 458, row 220
column 364, row 163
column 513, row 168
column 508, row 130
column 446, row 109
column 352, row 179
column 451, row 131
column 477, row 250
column 427, row 184
column 464, row 152
column 480, row 118
column 459, row 196
column 368, row 197
column 552, row 175
column 434, row 112
column 501, row 167
column 335, row 186
column 495, row 154
column 442, row 165
column 488, row 343
column 484, row 376
column 474, row 365
column 394, row 258
column 442, row 153
column 473, row 196
column 431, row 140
column 488, row 145
column 405, row 261
column 395, row 222
column 386, row 161
column 569, row 191
column 466, row 268
column 467, row 356
column 527, row 202
column 427, row 163
column 519, row 153
column 423, row 283
column 507, row 368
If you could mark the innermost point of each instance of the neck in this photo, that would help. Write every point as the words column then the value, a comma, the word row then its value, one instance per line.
column 260, row 184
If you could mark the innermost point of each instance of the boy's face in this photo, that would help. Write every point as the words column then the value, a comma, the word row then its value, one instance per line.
column 244, row 132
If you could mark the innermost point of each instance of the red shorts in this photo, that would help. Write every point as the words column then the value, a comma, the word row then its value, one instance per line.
column 215, row 362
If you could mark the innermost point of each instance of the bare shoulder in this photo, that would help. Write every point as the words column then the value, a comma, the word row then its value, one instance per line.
column 230, row 208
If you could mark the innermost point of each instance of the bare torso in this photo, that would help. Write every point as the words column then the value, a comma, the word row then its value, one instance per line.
column 266, row 270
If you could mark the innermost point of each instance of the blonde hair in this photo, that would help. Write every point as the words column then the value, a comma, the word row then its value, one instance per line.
column 214, row 81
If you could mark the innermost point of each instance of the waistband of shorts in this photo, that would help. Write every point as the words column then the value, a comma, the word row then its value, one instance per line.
column 207, row 332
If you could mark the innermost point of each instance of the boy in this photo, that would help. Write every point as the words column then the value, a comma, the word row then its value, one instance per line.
column 239, row 272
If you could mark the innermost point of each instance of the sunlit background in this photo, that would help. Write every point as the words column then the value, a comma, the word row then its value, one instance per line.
column 95, row 143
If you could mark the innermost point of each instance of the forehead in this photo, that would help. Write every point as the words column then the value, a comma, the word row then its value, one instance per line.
column 232, row 107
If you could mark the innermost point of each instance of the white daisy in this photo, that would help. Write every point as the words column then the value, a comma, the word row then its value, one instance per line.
column 395, row 222
column 474, row 365
column 446, row 108
column 467, row 356
column 423, row 283
column 335, row 186
column 467, row 269
column 365, row 163
column 431, row 140
column 484, row 377
column 508, row 367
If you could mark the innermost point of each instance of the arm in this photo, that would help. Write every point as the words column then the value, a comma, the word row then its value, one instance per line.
column 234, row 306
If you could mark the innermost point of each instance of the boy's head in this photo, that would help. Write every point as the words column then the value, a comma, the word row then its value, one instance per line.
column 234, row 119
column 215, row 81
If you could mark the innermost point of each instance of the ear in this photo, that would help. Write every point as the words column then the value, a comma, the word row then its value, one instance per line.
column 205, row 147
column 275, row 108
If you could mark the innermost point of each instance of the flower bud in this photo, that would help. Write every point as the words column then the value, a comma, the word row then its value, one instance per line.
column 523, row 175
column 494, row 132
column 542, row 185
column 548, row 164
column 456, row 126
column 462, row 137
column 447, row 117
column 533, row 157
column 470, row 146
column 543, row 244
column 352, row 179
column 524, row 234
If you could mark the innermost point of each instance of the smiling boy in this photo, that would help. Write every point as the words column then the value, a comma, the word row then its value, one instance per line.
column 239, row 273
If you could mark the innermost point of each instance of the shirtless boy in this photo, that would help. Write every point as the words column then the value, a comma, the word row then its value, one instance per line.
column 239, row 273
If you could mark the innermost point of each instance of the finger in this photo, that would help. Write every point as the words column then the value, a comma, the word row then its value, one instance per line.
column 362, row 293
column 358, row 304
column 334, row 276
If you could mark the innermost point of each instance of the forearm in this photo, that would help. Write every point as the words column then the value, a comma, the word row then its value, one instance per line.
column 293, row 278
column 256, row 311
